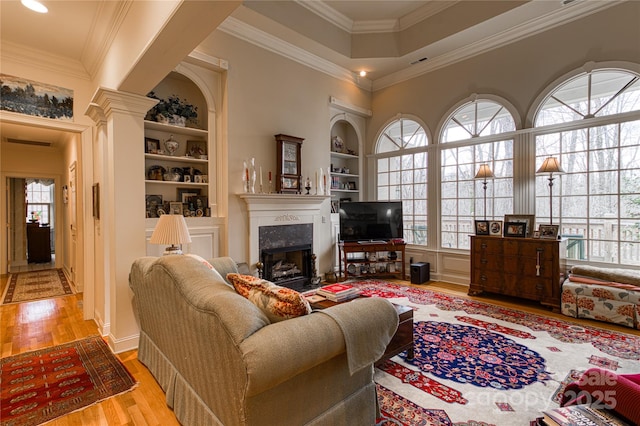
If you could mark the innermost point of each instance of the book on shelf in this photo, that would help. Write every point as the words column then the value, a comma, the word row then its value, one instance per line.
column 582, row 415
column 338, row 292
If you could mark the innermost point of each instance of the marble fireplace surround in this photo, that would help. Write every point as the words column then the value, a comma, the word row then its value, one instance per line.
column 281, row 209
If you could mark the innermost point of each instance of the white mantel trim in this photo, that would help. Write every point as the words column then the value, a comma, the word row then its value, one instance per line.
column 281, row 209
column 283, row 202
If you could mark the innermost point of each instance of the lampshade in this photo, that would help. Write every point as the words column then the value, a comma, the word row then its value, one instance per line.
column 171, row 229
column 550, row 165
column 484, row 172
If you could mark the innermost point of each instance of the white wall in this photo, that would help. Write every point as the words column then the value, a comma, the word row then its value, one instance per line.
column 267, row 95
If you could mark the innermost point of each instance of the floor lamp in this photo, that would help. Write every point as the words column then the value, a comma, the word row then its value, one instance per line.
column 550, row 166
column 484, row 173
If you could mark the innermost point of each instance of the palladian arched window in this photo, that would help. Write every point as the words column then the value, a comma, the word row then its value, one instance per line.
column 595, row 135
column 474, row 135
column 401, row 162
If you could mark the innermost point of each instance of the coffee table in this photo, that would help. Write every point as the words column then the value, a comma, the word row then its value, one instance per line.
column 401, row 341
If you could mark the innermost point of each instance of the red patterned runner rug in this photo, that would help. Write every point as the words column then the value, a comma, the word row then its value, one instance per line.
column 34, row 285
column 42, row 385
column 482, row 364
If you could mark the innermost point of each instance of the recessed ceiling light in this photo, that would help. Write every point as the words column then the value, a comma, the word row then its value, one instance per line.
column 34, row 5
column 363, row 73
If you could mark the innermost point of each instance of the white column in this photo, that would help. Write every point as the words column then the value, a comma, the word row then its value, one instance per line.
column 122, row 221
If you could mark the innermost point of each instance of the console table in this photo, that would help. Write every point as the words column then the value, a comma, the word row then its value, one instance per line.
column 372, row 258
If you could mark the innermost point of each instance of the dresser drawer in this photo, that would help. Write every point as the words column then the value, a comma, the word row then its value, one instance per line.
column 487, row 245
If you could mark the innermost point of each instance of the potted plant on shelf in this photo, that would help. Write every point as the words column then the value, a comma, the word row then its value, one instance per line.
column 173, row 111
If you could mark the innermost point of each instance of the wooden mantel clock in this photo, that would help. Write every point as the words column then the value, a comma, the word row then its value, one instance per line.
column 289, row 171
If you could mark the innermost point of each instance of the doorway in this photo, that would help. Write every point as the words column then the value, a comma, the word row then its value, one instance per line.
column 32, row 224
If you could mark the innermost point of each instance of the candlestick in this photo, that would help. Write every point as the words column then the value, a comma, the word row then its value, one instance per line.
column 260, row 178
column 316, row 183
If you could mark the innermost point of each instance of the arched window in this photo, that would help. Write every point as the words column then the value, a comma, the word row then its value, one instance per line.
column 596, row 201
column 401, row 161
column 472, row 135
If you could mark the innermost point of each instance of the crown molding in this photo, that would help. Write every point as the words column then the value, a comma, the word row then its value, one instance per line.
column 101, row 36
column 378, row 26
column 535, row 26
column 328, row 13
column 428, row 10
column 239, row 29
column 40, row 59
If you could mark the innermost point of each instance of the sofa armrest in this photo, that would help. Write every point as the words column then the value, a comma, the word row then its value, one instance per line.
column 285, row 349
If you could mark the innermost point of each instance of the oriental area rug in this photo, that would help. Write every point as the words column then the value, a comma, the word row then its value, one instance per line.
column 481, row 364
column 42, row 385
column 34, row 285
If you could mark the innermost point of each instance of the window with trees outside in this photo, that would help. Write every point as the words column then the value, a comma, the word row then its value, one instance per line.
column 597, row 200
column 473, row 135
column 401, row 161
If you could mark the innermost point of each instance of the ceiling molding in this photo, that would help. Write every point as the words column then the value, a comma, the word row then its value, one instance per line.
column 35, row 58
column 543, row 23
column 428, row 10
column 239, row 29
column 328, row 13
column 378, row 26
column 103, row 33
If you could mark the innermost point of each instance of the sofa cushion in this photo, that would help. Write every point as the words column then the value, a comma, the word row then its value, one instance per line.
column 278, row 303
column 200, row 259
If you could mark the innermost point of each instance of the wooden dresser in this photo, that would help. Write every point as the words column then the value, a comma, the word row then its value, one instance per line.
column 523, row 267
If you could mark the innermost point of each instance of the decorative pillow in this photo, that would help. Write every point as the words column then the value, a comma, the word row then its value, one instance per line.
column 278, row 303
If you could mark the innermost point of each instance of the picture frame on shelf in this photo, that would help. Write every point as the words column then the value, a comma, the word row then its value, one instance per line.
column 196, row 148
column 352, row 186
column 185, row 193
column 175, row 207
column 529, row 219
column 337, row 144
column 515, row 229
column 495, row 228
column 151, row 145
column 548, row 232
column 482, row 227
column 153, row 203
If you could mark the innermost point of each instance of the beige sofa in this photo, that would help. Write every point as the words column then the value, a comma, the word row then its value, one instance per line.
column 220, row 361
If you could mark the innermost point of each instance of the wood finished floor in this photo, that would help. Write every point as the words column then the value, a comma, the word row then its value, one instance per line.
column 40, row 324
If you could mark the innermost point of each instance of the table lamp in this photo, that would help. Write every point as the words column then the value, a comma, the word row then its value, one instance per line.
column 484, row 172
column 171, row 229
column 550, row 166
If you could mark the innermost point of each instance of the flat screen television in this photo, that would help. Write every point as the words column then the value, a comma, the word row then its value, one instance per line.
column 370, row 220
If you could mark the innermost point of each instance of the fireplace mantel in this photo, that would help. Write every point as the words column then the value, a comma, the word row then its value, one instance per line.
column 282, row 209
column 283, row 202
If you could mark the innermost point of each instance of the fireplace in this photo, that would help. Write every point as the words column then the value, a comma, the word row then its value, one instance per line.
column 285, row 227
column 286, row 254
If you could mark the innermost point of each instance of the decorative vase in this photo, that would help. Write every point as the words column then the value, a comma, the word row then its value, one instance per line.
column 177, row 120
column 171, row 145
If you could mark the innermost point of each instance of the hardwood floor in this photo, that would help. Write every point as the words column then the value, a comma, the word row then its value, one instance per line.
column 35, row 325
column 40, row 324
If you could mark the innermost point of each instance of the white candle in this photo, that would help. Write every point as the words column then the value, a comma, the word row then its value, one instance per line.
column 316, row 181
column 260, row 175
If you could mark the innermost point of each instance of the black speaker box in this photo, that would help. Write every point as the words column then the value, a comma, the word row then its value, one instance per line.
column 419, row 273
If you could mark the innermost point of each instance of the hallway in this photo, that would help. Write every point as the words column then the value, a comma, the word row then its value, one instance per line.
column 34, row 266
